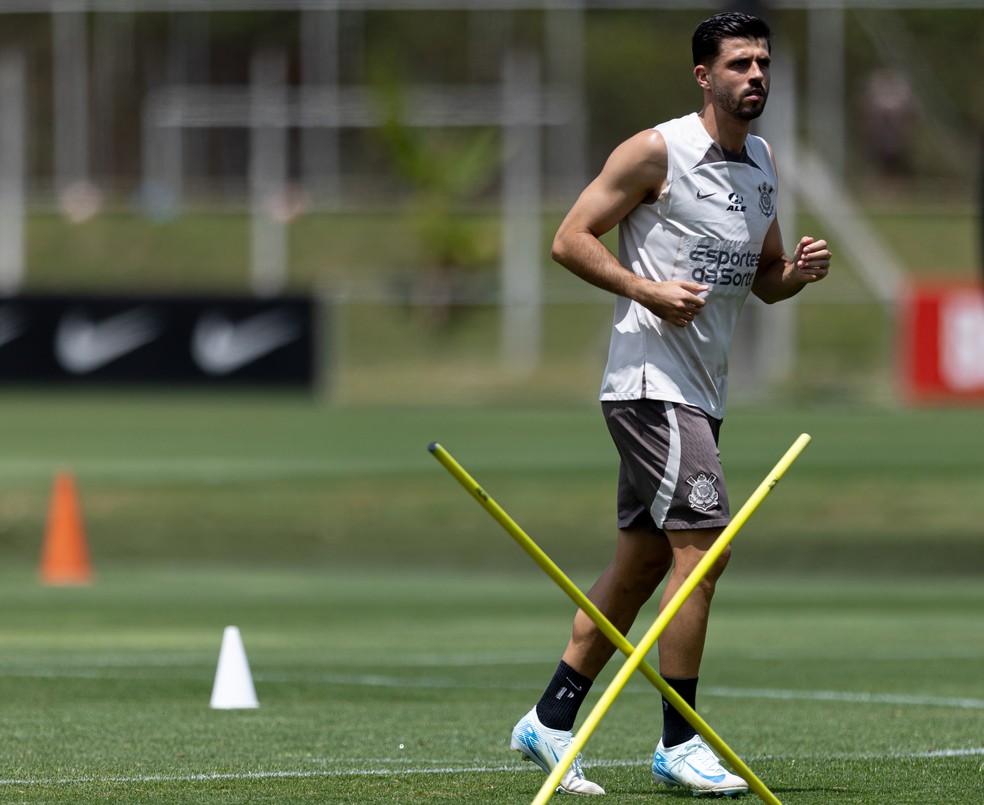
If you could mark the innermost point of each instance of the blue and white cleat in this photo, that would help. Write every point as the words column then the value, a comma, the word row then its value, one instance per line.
column 693, row 766
column 546, row 747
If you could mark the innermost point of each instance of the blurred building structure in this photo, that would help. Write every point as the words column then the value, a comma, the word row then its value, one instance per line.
column 117, row 70
column 274, row 107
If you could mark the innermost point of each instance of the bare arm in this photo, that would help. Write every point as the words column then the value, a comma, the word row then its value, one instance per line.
column 779, row 276
column 634, row 172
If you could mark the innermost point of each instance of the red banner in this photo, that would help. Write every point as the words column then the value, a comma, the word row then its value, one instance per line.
column 942, row 343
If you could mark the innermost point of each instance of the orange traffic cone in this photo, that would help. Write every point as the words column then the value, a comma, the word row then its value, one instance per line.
column 65, row 555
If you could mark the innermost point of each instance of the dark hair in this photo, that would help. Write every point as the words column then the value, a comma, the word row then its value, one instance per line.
column 729, row 25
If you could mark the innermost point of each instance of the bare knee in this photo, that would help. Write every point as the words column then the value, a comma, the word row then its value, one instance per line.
column 689, row 553
column 638, row 572
column 709, row 582
column 718, row 568
column 648, row 571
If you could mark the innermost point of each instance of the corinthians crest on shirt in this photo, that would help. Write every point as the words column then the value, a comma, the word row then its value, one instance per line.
column 767, row 202
column 703, row 496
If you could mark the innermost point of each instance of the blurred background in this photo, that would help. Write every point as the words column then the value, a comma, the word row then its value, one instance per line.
column 395, row 170
column 255, row 255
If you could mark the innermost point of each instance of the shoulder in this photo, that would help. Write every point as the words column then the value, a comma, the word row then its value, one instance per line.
column 639, row 166
column 651, row 146
column 644, row 152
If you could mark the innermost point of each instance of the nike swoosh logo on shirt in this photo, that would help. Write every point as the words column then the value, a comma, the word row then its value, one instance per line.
column 221, row 346
column 83, row 345
column 702, row 196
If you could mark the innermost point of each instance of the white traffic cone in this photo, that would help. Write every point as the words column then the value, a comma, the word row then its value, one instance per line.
column 233, row 688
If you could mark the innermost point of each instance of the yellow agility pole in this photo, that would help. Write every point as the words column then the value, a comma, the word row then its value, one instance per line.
column 604, row 625
column 664, row 617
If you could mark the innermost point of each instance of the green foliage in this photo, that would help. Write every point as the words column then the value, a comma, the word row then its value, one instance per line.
column 445, row 169
column 637, row 73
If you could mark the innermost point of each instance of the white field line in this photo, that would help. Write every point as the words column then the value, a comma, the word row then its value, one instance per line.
column 961, row 703
column 191, row 659
column 208, row 468
column 190, row 671
column 257, row 775
column 249, row 468
column 446, row 769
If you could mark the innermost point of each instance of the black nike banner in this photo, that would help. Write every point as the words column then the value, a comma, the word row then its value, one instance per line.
column 158, row 339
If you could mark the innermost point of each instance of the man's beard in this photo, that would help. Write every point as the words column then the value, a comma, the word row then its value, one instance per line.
column 733, row 104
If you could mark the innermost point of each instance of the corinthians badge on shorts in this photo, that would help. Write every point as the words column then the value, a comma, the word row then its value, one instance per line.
column 703, row 495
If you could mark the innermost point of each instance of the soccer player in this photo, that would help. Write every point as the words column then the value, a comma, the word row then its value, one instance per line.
column 694, row 200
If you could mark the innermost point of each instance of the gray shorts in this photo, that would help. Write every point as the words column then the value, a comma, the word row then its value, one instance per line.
column 670, row 476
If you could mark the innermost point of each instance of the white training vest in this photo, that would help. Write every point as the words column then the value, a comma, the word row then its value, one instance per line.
column 708, row 225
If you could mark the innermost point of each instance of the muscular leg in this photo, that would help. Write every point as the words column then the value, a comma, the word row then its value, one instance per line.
column 681, row 645
column 642, row 559
column 681, row 758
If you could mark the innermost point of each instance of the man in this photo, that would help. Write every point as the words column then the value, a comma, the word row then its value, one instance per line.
column 695, row 203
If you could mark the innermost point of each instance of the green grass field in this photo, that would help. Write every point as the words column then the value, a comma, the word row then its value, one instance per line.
column 395, row 633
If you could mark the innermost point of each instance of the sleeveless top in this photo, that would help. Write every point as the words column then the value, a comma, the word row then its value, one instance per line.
column 708, row 225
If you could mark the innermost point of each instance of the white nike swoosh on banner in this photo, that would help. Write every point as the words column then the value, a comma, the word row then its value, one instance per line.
column 83, row 345
column 12, row 325
column 220, row 346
